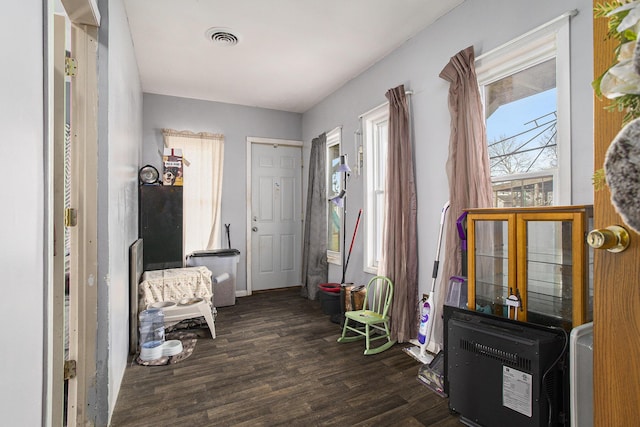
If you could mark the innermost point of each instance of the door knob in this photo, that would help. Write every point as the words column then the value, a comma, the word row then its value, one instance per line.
column 254, row 228
column 613, row 238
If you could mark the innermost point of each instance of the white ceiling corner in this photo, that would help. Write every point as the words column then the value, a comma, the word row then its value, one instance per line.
column 291, row 54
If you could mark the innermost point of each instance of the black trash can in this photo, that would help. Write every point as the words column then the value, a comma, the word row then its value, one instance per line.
column 330, row 298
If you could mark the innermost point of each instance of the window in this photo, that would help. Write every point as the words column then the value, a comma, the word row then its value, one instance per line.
column 202, row 187
column 334, row 186
column 375, row 129
column 525, row 90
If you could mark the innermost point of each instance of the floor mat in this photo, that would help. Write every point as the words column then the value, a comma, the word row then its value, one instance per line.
column 188, row 340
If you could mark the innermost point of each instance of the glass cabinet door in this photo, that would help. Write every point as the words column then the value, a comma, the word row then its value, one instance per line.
column 492, row 270
column 551, row 264
column 548, row 271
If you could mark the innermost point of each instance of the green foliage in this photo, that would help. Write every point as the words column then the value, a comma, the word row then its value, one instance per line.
column 628, row 103
column 602, row 10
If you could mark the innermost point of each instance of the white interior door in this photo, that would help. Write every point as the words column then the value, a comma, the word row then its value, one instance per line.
column 276, row 215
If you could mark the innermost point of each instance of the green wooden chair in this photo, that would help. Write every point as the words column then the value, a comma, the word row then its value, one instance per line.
column 372, row 322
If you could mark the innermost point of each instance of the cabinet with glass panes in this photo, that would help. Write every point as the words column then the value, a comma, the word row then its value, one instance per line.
column 531, row 264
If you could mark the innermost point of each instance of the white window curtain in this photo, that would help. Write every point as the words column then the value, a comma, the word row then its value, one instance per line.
column 203, row 158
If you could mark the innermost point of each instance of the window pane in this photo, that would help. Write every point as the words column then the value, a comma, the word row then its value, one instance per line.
column 521, row 121
column 535, row 191
column 334, row 212
column 375, row 134
column 382, row 134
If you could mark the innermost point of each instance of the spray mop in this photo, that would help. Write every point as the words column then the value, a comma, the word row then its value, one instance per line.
column 428, row 306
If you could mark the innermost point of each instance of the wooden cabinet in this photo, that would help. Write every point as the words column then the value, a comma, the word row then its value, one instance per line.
column 537, row 256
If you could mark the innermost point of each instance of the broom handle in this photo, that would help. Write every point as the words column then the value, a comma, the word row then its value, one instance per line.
column 353, row 239
column 355, row 231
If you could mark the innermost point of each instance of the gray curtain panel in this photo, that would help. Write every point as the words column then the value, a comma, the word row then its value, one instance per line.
column 468, row 164
column 314, row 251
column 399, row 241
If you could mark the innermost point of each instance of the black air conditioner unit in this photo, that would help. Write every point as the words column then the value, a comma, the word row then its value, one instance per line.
column 502, row 372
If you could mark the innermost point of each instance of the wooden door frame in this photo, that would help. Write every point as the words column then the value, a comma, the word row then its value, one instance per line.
column 616, row 332
column 84, row 236
column 267, row 141
column 82, row 319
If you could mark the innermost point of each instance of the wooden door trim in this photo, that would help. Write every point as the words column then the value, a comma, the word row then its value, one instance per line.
column 616, row 322
column 84, row 237
column 84, row 262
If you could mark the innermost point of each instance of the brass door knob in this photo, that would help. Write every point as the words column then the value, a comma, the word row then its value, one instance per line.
column 613, row 238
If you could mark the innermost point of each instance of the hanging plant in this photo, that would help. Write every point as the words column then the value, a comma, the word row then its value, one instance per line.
column 621, row 81
column 621, row 84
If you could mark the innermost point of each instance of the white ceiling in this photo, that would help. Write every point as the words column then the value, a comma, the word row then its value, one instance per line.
column 291, row 54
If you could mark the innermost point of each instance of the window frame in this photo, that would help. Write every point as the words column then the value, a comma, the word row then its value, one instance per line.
column 548, row 41
column 375, row 157
column 334, row 138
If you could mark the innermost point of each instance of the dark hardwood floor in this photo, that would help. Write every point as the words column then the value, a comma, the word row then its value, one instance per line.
column 276, row 361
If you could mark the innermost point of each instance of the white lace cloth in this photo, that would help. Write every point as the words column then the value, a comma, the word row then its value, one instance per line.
column 174, row 284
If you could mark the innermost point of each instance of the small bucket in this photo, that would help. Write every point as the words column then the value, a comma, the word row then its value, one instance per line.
column 330, row 298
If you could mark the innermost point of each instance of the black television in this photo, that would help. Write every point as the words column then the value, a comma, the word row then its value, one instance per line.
column 503, row 372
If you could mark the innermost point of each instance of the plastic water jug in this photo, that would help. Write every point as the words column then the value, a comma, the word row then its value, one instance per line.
column 151, row 328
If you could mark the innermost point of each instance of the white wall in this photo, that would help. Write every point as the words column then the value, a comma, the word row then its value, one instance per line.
column 22, row 245
column 236, row 123
column 485, row 24
column 123, row 144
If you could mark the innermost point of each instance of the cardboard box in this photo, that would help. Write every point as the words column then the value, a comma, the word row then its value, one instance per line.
column 172, row 167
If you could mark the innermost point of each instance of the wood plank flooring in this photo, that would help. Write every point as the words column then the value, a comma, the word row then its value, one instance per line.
column 276, row 361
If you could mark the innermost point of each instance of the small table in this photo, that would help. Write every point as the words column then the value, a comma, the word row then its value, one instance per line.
column 181, row 293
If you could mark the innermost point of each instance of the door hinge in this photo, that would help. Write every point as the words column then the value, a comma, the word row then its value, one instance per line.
column 69, row 369
column 70, row 217
column 70, row 67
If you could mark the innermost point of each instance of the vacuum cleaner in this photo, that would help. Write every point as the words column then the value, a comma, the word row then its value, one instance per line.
column 428, row 306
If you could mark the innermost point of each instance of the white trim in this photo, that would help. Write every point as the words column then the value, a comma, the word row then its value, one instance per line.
column 273, row 141
column 548, row 26
column 53, row 328
column 548, row 41
column 335, row 129
column 267, row 141
column 563, row 128
column 333, row 138
column 406, row 92
column 370, row 119
column 82, row 11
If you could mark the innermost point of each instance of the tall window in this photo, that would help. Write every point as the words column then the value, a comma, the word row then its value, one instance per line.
column 375, row 130
column 525, row 89
column 202, row 194
column 334, row 186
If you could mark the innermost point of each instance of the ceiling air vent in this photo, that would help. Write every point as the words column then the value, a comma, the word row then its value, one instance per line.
column 222, row 36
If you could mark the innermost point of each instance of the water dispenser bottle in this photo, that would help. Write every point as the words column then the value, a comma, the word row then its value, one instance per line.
column 151, row 333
